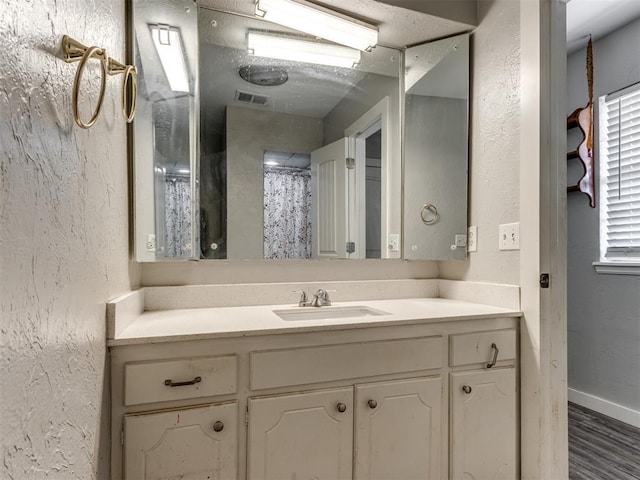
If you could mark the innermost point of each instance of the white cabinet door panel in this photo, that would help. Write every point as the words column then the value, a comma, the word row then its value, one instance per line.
column 483, row 427
column 398, row 430
column 182, row 444
column 301, row 436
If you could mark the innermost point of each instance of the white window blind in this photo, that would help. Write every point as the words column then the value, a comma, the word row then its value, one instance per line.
column 620, row 173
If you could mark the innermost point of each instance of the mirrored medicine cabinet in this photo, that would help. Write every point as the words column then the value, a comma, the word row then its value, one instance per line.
column 240, row 156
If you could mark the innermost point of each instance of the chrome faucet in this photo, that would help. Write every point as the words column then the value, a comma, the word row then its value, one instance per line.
column 321, row 299
column 304, row 301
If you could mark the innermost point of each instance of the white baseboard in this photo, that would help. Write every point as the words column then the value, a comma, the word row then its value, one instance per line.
column 605, row 407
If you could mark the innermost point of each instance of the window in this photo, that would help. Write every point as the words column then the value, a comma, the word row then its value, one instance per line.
column 620, row 175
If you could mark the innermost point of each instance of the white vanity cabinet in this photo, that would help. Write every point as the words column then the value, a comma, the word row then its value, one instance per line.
column 374, row 402
column 484, row 428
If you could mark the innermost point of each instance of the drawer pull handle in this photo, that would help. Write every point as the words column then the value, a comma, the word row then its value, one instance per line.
column 466, row 389
column 341, row 407
column 171, row 383
column 372, row 403
column 494, row 347
column 218, row 426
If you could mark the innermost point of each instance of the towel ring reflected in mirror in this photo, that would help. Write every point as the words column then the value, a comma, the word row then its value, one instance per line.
column 130, row 73
column 429, row 214
column 129, row 83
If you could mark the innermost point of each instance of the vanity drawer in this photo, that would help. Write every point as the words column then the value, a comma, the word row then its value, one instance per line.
column 300, row 366
column 470, row 348
column 162, row 381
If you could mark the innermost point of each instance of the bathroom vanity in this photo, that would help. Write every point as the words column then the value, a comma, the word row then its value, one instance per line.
column 426, row 389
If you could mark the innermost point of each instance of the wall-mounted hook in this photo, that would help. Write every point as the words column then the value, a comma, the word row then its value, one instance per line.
column 73, row 50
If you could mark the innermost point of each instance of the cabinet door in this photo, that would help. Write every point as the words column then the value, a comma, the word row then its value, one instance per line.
column 398, row 430
column 483, row 425
column 301, row 436
column 190, row 444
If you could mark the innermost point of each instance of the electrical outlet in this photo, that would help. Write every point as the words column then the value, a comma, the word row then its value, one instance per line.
column 472, row 239
column 461, row 240
column 509, row 236
column 394, row 242
column 151, row 242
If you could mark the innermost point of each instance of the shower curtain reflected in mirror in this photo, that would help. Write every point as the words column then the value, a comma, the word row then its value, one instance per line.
column 287, row 213
column 178, row 216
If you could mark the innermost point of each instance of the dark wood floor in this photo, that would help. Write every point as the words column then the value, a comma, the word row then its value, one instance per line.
column 601, row 448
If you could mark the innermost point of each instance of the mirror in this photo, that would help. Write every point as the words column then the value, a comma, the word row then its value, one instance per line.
column 252, row 157
column 436, row 149
column 165, row 130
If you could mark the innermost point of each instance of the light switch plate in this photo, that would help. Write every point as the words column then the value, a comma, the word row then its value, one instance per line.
column 394, row 242
column 151, row 242
column 472, row 239
column 509, row 236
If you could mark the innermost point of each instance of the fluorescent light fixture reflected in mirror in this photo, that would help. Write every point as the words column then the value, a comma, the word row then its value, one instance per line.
column 319, row 22
column 168, row 44
column 286, row 48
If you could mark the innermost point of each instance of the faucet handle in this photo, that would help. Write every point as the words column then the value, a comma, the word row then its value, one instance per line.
column 323, row 296
column 303, row 298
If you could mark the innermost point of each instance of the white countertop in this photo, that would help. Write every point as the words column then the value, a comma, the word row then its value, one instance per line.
column 220, row 322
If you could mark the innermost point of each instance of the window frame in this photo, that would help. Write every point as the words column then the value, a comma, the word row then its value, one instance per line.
column 613, row 260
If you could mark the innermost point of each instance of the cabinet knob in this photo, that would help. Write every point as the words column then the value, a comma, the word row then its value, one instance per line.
column 372, row 403
column 341, row 407
column 218, row 426
column 466, row 389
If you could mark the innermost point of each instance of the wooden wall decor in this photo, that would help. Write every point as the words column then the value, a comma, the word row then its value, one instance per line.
column 582, row 118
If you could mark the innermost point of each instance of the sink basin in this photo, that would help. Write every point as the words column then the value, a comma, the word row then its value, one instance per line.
column 327, row 313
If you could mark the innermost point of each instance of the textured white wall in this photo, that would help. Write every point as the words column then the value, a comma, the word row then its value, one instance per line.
column 494, row 172
column 63, row 241
column 603, row 319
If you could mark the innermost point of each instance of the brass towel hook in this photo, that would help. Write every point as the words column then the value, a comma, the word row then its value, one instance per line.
column 73, row 50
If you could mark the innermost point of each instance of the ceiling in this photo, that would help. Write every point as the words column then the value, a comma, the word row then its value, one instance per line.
column 598, row 18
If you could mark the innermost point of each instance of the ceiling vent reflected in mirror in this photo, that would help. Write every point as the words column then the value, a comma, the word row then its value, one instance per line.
column 264, row 75
column 253, row 98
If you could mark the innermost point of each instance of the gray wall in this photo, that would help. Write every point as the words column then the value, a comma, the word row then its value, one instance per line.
column 603, row 310
column 435, row 172
column 368, row 92
column 64, row 240
column 249, row 133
